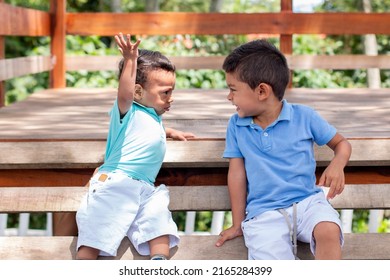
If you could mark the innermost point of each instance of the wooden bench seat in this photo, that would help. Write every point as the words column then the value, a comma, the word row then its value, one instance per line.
column 183, row 198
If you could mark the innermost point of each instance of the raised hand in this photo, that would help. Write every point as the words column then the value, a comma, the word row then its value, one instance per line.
column 126, row 47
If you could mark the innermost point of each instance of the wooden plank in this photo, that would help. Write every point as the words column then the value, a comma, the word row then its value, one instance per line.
column 188, row 198
column 338, row 62
column 16, row 67
column 368, row 246
column 66, row 154
column 110, row 63
column 296, row 62
column 172, row 23
column 58, row 43
column 2, row 56
column 174, row 176
column 19, row 21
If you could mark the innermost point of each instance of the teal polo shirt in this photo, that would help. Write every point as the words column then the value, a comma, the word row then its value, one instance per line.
column 279, row 160
column 136, row 143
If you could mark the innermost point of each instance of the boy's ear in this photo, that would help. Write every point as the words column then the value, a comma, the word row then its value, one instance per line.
column 263, row 90
column 138, row 92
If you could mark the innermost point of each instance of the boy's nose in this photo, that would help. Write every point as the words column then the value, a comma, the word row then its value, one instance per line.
column 229, row 96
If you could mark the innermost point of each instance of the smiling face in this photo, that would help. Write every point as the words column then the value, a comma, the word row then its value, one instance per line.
column 157, row 91
column 243, row 97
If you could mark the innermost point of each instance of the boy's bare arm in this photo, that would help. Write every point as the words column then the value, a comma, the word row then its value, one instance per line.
column 237, row 192
column 178, row 134
column 333, row 176
column 127, row 79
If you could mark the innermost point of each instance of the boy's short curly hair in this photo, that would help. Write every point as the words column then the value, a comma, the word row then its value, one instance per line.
column 257, row 62
column 148, row 61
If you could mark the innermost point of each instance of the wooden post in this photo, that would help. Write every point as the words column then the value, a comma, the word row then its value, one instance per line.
column 286, row 40
column 2, row 56
column 58, row 80
column 58, row 43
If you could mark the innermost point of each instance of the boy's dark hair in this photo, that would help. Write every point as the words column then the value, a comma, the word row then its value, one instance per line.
column 257, row 62
column 147, row 61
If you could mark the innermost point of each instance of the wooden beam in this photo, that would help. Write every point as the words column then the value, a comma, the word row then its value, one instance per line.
column 192, row 247
column 338, row 62
column 286, row 40
column 182, row 198
column 100, row 63
column 58, row 43
column 369, row 246
column 296, row 62
column 180, row 154
column 180, row 176
column 19, row 21
column 16, row 67
column 2, row 56
column 172, row 23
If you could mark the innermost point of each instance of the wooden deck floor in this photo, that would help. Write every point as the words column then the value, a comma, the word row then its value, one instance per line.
column 76, row 114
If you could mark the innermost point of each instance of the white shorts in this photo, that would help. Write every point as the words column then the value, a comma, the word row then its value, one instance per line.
column 267, row 236
column 117, row 206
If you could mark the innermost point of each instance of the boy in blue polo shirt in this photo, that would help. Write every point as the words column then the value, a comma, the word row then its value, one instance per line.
column 122, row 199
column 271, row 178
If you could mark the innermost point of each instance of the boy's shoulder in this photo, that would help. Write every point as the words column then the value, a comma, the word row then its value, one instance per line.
column 301, row 109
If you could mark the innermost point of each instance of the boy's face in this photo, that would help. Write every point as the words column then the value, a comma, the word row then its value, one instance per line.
column 242, row 96
column 157, row 92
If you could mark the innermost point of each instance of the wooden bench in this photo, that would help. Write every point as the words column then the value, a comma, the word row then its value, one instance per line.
column 192, row 247
column 186, row 166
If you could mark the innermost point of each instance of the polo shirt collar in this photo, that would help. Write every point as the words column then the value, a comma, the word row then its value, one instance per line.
column 149, row 111
column 285, row 114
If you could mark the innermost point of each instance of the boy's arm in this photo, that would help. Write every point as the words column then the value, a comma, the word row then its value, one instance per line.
column 178, row 135
column 127, row 79
column 333, row 176
column 237, row 193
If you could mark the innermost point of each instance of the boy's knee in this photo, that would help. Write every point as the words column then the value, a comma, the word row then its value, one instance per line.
column 87, row 253
column 327, row 232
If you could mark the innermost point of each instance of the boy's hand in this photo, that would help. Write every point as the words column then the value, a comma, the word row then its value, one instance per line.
column 333, row 178
column 178, row 135
column 228, row 234
column 126, row 47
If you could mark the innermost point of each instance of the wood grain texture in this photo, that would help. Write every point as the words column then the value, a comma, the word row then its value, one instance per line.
column 16, row 67
column 183, row 198
column 295, row 62
column 369, row 246
column 19, row 21
column 172, row 23
column 82, row 114
column 180, row 154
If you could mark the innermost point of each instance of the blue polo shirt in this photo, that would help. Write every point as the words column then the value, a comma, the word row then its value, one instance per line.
column 279, row 160
column 136, row 144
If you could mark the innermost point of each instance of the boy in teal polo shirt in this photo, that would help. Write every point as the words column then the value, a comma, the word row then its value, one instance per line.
column 122, row 199
column 269, row 142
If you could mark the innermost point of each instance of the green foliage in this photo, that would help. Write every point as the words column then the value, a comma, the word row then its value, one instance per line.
column 37, row 221
column 33, row 4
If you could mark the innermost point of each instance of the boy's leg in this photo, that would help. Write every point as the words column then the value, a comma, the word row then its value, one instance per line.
column 65, row 224
column 159, row 247
column 327, row 238
column 320, row 226
column 267, row 237
column 87, row 253
column 154, row 231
